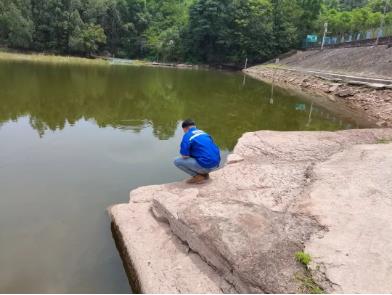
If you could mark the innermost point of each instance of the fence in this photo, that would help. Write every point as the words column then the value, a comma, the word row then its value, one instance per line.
column 365, row 38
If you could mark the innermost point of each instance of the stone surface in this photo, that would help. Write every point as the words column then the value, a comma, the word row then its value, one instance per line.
column 368, row 61
column 345, row 93
column 333, row 87
column 278, row 195
column 234, row 158
column 354, row 201
column 250, row 245
column 157, row 261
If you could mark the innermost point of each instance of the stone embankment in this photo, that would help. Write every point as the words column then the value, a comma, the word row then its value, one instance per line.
column 328, row 194
column 370, row 61
column 360, row 77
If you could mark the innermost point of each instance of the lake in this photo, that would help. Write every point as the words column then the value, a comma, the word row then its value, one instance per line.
column 76, row 139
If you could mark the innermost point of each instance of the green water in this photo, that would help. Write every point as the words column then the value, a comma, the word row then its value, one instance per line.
column 76, row 139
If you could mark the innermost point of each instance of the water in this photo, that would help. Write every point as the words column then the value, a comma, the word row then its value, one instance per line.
column 76, row 139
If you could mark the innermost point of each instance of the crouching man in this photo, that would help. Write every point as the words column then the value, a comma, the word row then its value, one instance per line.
column 199, row 154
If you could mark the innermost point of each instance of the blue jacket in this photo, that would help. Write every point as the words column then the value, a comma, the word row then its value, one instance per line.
column 199, row 145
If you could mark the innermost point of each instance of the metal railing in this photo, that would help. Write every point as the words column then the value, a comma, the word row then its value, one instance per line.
column 365, row 38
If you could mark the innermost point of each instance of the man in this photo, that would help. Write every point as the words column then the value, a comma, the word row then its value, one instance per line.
column 199, row 154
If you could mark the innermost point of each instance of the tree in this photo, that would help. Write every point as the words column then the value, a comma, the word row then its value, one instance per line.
column 48, row 19
column 285, row 15
column 168, row 22
column 86, row 40
column 16, row 26
column 306, row 18
column 252, row 33
column 230, row 31
column 75, row 28
column 207, row 31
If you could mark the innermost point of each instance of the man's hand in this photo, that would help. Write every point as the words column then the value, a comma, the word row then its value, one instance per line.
column 185, row 157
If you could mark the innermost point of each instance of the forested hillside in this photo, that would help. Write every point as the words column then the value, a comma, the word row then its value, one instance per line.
column 205, row 31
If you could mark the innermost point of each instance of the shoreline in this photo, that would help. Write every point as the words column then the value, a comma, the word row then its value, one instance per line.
column 49, row 58
column 372, row 99
column 42, row 57
column 8, row 55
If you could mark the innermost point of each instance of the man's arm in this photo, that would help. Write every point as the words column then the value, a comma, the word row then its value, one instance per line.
column 185, row 150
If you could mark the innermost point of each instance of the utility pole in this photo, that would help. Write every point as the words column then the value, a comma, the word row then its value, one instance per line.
column 325, row 33
column 382, row 22
column 273, row 81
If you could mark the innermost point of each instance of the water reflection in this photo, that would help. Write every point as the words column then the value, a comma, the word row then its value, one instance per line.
column 310, row 115
column 133, row 98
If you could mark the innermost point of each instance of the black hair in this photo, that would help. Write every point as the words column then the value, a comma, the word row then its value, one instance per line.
column 187, row 123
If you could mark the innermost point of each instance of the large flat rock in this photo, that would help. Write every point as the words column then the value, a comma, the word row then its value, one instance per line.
column 272, row 199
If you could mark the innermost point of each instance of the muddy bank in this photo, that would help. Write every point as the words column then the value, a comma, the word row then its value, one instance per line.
column 374, row 99
column 325, row 193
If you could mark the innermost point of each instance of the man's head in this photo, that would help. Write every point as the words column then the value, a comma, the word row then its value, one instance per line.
column 187, row 124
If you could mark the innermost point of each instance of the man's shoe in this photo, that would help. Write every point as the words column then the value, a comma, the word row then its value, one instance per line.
column 207, row 176
column 198, row 179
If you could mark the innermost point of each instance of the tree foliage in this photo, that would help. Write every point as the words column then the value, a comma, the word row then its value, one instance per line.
column 16, row 23
column 355, row 16
column 206, row 31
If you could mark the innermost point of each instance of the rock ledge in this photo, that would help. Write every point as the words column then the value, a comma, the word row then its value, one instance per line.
column 327, row 193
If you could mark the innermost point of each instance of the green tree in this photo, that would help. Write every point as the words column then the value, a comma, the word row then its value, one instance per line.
column 48, row 19
column 16, row 26
column 230, row 31
column 168, row 22
column 305, row 19
column 208, row 31
column 285, row 33
column 88, row 39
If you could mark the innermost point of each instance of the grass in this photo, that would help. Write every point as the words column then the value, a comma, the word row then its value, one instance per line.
column 383, row 141
column 35, row 57
column 303, row 258
column 308, row 285
column 138, row 62
column 59, row 59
